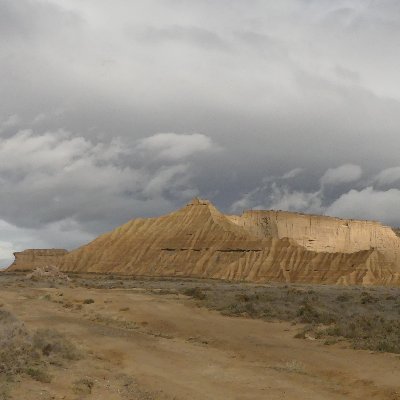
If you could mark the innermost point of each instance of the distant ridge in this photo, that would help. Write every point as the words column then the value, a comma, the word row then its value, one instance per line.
column 258, row 246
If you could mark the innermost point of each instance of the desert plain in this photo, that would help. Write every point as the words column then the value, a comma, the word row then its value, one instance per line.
column 115, row 337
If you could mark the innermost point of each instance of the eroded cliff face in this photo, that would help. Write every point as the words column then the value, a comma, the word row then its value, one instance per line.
column 322, row 234
column 257, row 246
column 33, row 258
column 199, row 241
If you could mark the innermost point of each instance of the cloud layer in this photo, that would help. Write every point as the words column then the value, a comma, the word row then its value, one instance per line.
column 367, row 201
column 112, row 110
column 73, row 188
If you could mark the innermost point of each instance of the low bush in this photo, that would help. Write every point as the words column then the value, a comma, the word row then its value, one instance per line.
column 24, row 353
column 16, row 350
column 39, row 375
column 195, row 292
column 55, row 345
column 83, row 386
column 368, row 317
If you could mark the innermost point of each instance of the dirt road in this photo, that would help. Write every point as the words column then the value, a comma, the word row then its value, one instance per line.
column 142, row 345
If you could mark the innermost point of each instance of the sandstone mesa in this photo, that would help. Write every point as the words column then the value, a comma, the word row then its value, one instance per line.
column 257, row 246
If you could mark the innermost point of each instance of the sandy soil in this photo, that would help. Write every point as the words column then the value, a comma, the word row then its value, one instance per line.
column 140, row 345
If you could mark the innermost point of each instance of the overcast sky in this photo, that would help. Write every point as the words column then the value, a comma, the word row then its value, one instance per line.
column 111, row 110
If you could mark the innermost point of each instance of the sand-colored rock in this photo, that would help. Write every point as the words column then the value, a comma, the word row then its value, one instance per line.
column 36, row 258
column 321, row 233
column 47, row 273
column 258, row 246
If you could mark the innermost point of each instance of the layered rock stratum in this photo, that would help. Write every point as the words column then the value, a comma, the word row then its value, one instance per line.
column 36, row 258
column 257, row 246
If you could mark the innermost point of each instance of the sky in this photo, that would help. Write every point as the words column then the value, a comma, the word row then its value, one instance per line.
column 113, row 110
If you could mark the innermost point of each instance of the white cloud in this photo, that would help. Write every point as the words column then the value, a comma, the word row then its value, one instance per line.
column 388, row 176
column 62, row 189
column 344, row 174
column 167, row 177
column 274, row 193
column 293, row 173
column 173, row 146
column 282, row 198
column 368, row 203
column 9, row 122
column 56, row 176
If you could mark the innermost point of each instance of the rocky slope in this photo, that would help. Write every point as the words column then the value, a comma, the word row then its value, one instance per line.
column 258, row 246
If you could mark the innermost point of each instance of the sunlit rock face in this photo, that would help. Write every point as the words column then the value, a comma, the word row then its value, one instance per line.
column 321, row 233
column 33, row 258
column 257, row 246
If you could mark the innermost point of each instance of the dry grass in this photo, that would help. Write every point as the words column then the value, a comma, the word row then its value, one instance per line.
column 24, row 353
column 195, row 292
column 83, row 386
column 16, row 350
column 292, row 366
column 39, row 374
column 367, row 317
column 55, row 346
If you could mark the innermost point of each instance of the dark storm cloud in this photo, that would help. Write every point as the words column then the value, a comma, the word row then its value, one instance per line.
column 111, row 110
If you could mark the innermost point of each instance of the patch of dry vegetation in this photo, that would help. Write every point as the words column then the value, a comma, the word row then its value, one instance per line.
column 16, row 350
column 24, row 353
column 83, row 386
column 368, row 317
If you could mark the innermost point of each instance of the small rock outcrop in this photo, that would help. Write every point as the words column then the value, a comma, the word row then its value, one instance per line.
column 36, row 258
column 48, row 273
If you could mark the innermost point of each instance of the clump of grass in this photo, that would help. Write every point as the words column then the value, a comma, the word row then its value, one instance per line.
column 105, row 320
column 367, row 298
column 5, row 390
column 53, row 344
column 88, row 301
column 343, row 297
column 16, row 349
column 24, row 353
column 370, row 332
column 292, row 366
column 195, row 292
column 83, row 386
column 39, row 374
column 310, row 314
